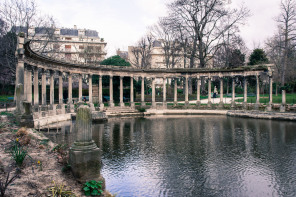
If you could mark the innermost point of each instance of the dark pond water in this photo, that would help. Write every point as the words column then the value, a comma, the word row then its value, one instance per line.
column 196, row 156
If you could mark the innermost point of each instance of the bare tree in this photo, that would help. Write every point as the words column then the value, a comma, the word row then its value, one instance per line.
column 287, row 25
column 142, row 52
column 206, row 21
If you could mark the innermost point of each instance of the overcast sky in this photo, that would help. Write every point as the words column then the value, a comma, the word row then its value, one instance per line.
column 122, row 22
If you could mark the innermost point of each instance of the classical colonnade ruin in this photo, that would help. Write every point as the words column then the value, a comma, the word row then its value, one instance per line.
column 30, row 64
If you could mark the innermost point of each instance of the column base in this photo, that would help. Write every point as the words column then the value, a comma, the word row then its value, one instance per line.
column 186, row 103
column 44, row 111
column 102, row 106
column 51, row 110
column 110, row 104
column 245, row 105
column 121, row 104
column 257, row 105
column 175, row 103
column 164, row 104
column 60, row 109
column 85, row 161
column 70, row 108
column 143, row 104
column 209, row 105
column 221, row 105
column 283, row 108
column 232, row 105
column 198, row 103
column 92, row 107
column 269, row 108
column 153, row 104
column 132, row 105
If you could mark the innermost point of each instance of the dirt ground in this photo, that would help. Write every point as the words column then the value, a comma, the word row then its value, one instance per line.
column 39, row 170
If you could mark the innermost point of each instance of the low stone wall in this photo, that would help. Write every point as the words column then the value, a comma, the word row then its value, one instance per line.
column 263, row 115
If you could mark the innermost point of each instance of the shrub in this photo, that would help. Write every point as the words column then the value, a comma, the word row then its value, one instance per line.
column 141, row 109
column 93, row 188
column 18, row 153
column 6, row 183
column 58, row 190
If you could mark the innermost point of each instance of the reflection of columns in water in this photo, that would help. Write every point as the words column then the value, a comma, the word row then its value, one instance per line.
column 257, row 129
column 121, row 136
column 283, row 132
column 232, row 127
column 270, row 133
column 111, row 128
column 246, row 136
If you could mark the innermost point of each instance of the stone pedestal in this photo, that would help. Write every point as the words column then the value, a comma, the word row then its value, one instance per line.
column 269, row 107
column 60, row 109
column 27, row 118
column 84, row 155
column 92, row 106
column 221, row 105
column 209, row 105
column 132, row 105
column 186, row 103
column 198, row 103
column 70, row 108
column 143, row 104
column 44, row 111
column 111, row 104
column 121, row 104
column 232, row 104
column 51, row 110
column 164, row 105
column 153, row 104
column 245, row 105
column 257, row 105
column 283, row 108
column 102, row 106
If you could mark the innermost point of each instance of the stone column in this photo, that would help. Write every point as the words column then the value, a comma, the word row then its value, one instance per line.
column 209, row 92
column 143, row 92
column 84, row 155
column 269, row 106
column 245, row 93
column 153, row 93
column 29, row 84
column 198, row 92
column 257, row 93
column 80, row 88
column 111, row 102
column 43, row 87
column 51, row 93
column 36, row 88
column 233, row 93
column 176, row 92
column 221, row 104
column 283, row 106
column 186, row 91
column 61, row 100
column 25, row 82
column 70, row 98
column 132, row 93
column 90, row 97
column 121, row 103
column 101, row 93
column 164, row 93
column 19, row 74
column 60, row 106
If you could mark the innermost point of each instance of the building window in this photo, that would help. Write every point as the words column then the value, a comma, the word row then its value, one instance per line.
column 68, row 48
column 81, row 47
column 68, row 38
column 56, row 46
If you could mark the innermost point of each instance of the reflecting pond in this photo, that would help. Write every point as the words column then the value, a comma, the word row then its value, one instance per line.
column 195, row 156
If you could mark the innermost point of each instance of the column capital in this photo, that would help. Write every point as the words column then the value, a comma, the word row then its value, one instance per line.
column 43, row 70
column 60, row 73
column 35, row 68
column 121, row 77
column 90, row 74
column 51, row 72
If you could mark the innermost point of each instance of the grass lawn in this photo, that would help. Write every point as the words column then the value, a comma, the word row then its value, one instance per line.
column 5, row 97
column 290, row 99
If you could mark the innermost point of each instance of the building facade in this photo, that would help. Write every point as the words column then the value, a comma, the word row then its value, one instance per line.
column 69, row 44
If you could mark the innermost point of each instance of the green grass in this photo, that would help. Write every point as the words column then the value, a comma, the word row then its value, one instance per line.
column 290, row 99
column 4, row 97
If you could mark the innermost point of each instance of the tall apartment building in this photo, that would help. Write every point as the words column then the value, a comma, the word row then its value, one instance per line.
column 69, row 44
